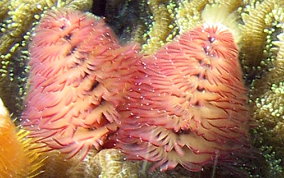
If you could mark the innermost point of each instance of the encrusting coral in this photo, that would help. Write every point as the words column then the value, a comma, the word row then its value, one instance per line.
column 254, row 37
column 170, row 18
column 107, row 163
column 158, row 31
column 18, row 156
column 188, row 14
column 111, row 163
column 3, row 8
column 267, row 92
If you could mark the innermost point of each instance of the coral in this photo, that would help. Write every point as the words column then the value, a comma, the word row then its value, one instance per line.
column 78, row 76
column 17, row 18
column 267, row 93
column 18, row 158
column 188, row 105
column 170, row 18
column 252, row 48
column 161, row 28
column 3, row 8
column 58, row 165
column 262, row 57
column 112, row 163
column 106, row 163
column 188, row 14
column 230, row 5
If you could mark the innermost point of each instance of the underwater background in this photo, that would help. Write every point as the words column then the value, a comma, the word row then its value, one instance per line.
column 152, row 24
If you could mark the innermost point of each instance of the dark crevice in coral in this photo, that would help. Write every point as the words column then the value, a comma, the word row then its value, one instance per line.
column 99, row 7
column 124, row 16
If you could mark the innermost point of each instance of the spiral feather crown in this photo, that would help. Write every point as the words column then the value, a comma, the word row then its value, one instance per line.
column 78, row 76
column 188, row 106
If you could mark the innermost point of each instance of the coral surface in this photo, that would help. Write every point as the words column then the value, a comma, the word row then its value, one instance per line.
column 109, row 163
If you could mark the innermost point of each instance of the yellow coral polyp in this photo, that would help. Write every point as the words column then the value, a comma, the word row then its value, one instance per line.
column 160, row 29
column 188, row 14
column 254, row 37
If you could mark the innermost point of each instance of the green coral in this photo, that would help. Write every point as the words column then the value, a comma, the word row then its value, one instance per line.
column 267, row 91
column 107, row 163
column 112, row 163
column 161, row 26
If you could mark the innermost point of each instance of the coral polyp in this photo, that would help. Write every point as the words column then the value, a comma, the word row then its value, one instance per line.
column 78, row 76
